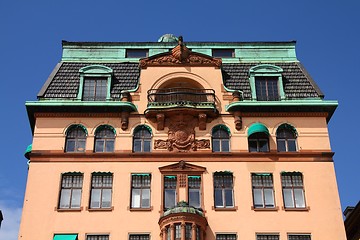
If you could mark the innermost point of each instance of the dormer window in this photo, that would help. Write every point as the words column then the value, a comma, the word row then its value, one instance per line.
column 223, row 53
column 266, row 83
column 137, row 53
column 95, row 82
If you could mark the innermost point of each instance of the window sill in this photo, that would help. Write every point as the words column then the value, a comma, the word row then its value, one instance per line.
column 305, row 209
column 274, row 209
column 140, row 209
column 230, row 209
column 100, row 209
column 68, row 209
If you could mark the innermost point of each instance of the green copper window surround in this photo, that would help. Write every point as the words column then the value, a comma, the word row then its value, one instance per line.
column 266, row 70
column 95, row 71
column 65, row 237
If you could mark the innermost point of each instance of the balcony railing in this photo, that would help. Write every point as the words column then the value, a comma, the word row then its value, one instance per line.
column 181, row 96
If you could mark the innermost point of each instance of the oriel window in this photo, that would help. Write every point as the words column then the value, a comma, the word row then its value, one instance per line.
column 170, row 189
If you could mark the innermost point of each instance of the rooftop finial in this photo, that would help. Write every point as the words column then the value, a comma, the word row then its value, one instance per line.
column 180, row 40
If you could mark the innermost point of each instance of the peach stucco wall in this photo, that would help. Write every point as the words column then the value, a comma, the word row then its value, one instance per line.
column 41, row 220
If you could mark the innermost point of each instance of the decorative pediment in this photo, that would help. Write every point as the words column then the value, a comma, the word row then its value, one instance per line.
column 182, row 166
column 179, row 56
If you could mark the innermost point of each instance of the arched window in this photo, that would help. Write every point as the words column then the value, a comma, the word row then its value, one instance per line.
column 220, row 139
column 104, row 139
column 142, row 139
column 258, row 138
column 286, row 138
column 75, row 139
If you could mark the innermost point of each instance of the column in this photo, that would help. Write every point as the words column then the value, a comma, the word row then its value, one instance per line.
column 193, row 231
column 183, row 230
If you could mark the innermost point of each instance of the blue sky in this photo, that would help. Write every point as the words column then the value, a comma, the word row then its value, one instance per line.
column 327, row 35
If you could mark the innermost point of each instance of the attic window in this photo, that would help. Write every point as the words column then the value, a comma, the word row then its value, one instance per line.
column 223, row 53
column 137, row 53
column 266, row 83
column 95, row 82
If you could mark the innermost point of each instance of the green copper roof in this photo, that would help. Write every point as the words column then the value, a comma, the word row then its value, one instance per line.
column 168, row 38
column 65, row 237
column 258, row 128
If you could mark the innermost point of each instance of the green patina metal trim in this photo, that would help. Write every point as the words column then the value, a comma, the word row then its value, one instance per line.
column 105, row 126
column 28, row 151
column 258, row 128
column 74, row 126
column 290, row 173
column 287, row 126
column 97, row 69
column 76, row 103
column 194, row 177
column 170, row 177
column 65, row 237
column 141, row 174
column 143, row 126
column 116, row 51
column 262, row 174
column 226, row 172
column 286, row 103
column 221, row 126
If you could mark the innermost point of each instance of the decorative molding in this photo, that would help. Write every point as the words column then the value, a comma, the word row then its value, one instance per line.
column 181, row 167
column 181, row 134
column 124, row 120
column 178, row 56
column 238, row 120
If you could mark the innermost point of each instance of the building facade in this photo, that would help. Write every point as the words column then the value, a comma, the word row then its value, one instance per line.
column 167, row 140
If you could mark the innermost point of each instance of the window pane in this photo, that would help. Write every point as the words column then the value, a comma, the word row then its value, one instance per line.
column 137, row 145
column 65, row 198
column 145, row 202
column 218, row 198
column 135, row 198
column 225, row 146
column 223, row 53
column 95, row 198
column 216, row 145
column 252, row 145
column 229, row 197
column 170, row 198
column 194, row 197
column 146, row 146
column 109, row 145
column 269, row 198
column 291, row 145
column 281, row 145
column 299, row 198
column 258, row 198
column 70, row 145
column 75, row 198
column 99, row 145
column 81, row 145
column 136, row 53
column 263, row 145
column 288, row 198
column 106, row 198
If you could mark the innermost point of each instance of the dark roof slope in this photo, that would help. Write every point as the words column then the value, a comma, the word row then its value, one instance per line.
column 296, row 81
column 64, row 82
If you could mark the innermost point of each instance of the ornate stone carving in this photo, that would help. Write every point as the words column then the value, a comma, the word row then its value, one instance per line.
column 181, row 135
column 237, row 121
column 182, row 180
column 202, row 121
column 180, row 55
column 160, row 118
column 124, row 120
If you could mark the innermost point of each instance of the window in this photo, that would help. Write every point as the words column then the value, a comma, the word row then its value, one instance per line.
column 223, row 190
column 142, row 139
column 220, row 139
column 267, row 237
column 95, row 89
column 225, row 236
column 170, row 199
column 75, row 139
column 266, row 83
column 286, row 138
column 293, row 190
column 71, row 188
column 178, row 231
column 267, row 89
column 101, row 190
column 299, row 237
column 263, row 192
column 194, row 191
column 137, row 53
column 223, row 53
column 140, row 190
column 258, row 142
column 104, row 139
column 139, row 237
column 97, row 237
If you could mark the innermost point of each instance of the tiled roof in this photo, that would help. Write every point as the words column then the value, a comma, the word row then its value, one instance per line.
column 65, row 83
column 296, row 81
